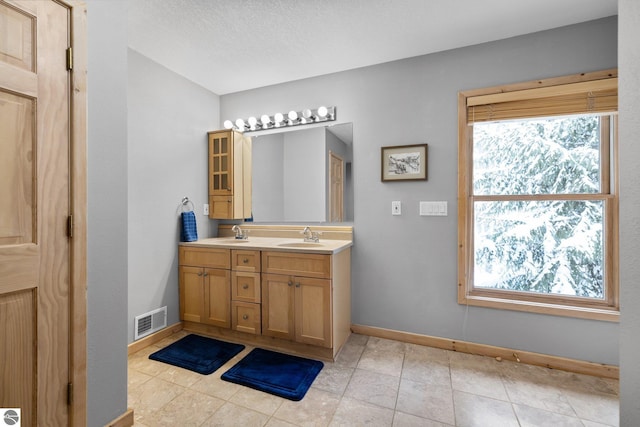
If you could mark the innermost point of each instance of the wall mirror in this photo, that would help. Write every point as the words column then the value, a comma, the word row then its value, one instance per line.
column 303, row 175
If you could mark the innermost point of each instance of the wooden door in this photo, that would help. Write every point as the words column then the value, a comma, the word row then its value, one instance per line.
column 35, row 274
column 191, row 293
column 217, row 297
column 313, row 311
column 277, row 306
column 336, row 188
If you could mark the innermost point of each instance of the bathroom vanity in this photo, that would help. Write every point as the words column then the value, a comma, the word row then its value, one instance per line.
column 273, row 290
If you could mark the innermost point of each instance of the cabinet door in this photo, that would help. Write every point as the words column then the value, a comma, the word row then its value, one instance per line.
column 191, row 293
column 277, row 306
column 221, row 163
column 217, row 297
column 221, row 207
column 313, row 311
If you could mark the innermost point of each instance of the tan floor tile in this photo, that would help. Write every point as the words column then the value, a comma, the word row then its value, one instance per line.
column 234, row 415
column 316, row 409
column 534, row 417
column 257, row 400
column 149, row 397
column 383, row 361
column 352, row 412
column 274, row 422
column 372, row 387
column 358, row 339
column 214, row 386
column 479, row 411
column 426, row 401
column 383, row 344
column 424, row 370
column 180, row 376
column 333, row 378
column 189, row 409
column 349, row 355
column 135, row 378
column 401, row 419
column 478, row 375
column 601, row 408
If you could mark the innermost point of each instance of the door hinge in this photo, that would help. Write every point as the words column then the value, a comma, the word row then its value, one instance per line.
column 70, row 394
column 69, row 58
column 70, row 226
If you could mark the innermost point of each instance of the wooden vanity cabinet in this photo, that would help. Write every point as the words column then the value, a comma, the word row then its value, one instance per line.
column 297, row 297
column 229, row 175
column 205, row 292
column 245, row 291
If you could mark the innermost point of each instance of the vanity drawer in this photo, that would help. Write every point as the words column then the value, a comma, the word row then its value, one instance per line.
column 245, row 260
column 297, row 264
column 245, row 317
column 245, row 286
column 204, row 257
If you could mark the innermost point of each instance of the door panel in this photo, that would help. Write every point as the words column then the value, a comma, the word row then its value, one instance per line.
column 34, row 185
column 17, row 162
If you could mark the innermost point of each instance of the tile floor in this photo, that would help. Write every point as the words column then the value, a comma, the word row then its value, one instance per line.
column 377, row 382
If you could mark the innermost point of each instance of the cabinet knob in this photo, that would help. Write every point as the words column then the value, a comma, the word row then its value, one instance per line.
column 246, row 260
column 245, row 286
column 199, row 273
column 206, row 274
column 245, row 317
column 297, row 285
column 290, row 283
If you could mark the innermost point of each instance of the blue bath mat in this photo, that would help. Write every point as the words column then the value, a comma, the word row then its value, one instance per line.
column 199, row 354
column 275, row 373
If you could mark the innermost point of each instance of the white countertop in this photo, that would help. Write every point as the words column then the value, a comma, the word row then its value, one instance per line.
column 326, row 246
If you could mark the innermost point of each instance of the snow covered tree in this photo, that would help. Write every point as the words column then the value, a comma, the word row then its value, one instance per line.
column 550, row 243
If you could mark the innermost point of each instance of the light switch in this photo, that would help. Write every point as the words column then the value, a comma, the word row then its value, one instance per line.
column 433, row 209
column 396, row 208
column 205, row 210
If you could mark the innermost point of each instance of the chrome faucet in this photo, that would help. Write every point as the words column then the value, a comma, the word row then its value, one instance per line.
column 310, row 236
column 240, row 235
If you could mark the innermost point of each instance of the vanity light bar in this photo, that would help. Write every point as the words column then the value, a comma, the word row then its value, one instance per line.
column 278, row 120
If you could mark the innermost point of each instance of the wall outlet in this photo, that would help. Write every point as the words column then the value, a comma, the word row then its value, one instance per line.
column 396, row 208
column 205, row 210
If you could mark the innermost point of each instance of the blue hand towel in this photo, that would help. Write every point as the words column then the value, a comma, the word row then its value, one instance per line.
column 189, row 230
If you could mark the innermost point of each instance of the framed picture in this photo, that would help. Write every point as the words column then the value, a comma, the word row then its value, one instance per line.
column 404, row 162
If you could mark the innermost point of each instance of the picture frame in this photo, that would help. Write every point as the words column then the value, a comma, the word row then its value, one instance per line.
column 404, row 163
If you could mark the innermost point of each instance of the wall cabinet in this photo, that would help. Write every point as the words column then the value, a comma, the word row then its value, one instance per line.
column 229, row 175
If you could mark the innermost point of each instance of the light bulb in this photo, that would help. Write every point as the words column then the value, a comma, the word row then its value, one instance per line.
column 307, row 114
column 279, row 118
column 252, row 122
column 322, row 112
column 293, row 116
column 266, row 120
column 240, row 124
column 228, row 124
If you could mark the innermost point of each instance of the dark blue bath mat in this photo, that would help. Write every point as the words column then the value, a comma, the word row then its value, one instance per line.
column 275, row 373
column 199, row 354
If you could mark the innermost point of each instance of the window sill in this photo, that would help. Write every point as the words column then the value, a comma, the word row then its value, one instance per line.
column 592, row 313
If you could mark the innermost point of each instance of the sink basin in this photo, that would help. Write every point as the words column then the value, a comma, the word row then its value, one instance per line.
column 300, row 245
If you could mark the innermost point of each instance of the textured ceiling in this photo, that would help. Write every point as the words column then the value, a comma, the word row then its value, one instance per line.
column 233, row 45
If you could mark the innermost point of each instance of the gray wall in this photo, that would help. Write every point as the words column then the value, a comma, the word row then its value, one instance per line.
column 404, row 268
column 628, row 36
column 167, row 160
column 107, row 246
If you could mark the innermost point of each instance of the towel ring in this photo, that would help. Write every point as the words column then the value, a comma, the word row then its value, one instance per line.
column 185, row 202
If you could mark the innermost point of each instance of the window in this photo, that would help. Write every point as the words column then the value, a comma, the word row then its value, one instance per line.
column 538, row 206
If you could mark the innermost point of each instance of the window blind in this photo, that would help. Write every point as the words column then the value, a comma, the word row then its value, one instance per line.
column 596, row 96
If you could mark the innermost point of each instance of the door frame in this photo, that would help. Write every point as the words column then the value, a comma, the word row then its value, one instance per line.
column 78, row 196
